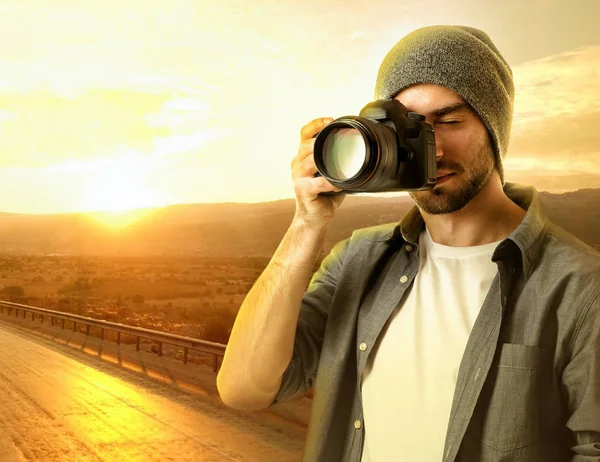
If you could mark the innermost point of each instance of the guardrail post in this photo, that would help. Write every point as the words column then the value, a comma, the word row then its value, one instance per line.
column 152, row 337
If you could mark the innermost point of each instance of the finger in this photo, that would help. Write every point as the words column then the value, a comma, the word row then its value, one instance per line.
column 305, row 149
column 306, row 168
column 325, row 185
column 314, row 127
column 312, row 187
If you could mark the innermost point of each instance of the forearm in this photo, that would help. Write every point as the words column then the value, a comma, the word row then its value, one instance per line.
column 262, row 339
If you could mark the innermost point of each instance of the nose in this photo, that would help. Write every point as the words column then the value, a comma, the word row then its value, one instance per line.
column 439, row 148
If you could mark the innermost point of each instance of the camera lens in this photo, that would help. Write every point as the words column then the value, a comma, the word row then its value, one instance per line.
column 344, row 153
column 357, row 153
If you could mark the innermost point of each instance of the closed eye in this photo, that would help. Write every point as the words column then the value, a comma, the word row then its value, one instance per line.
column 448, row 122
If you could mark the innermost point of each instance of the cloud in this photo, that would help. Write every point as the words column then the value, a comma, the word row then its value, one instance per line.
column 6, row 116
column 572, row 137
column 42, row 128
column 555, row 138
column 181, row 114
column 184, row 143
column 567, row 82
column 48, row 128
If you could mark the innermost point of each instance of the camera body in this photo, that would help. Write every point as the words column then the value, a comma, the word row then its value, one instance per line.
column 386, row 148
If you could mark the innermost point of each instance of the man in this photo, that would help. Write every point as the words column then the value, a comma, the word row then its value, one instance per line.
column 469, row 331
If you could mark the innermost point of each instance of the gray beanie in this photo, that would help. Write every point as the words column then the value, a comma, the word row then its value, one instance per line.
column 463, row 59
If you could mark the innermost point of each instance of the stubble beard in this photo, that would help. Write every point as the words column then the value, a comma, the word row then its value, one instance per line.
column 442, row 199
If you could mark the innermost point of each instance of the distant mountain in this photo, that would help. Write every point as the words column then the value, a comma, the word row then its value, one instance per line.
column 233, row 229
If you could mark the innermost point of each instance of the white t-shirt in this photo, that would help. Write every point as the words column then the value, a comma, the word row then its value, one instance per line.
column 409, row 380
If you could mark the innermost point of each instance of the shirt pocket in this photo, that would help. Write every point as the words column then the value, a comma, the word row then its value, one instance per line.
column 509, row 406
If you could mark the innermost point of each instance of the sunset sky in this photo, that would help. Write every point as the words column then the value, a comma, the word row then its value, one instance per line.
column 121, row 104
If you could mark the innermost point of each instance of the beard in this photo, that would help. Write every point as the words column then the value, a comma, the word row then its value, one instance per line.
column 445, row 199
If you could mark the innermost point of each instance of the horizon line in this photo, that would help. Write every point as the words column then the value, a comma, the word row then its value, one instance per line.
column 179, row 204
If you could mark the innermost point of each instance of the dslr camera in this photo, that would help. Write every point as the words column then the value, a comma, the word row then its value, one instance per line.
column 386, row 148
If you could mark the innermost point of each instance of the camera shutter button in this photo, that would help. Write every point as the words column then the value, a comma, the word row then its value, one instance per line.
column 415, row 116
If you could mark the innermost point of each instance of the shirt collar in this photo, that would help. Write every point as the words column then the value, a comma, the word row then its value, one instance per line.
column 526, row 238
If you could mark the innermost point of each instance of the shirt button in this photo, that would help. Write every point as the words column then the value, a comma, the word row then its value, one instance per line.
column 403, row 279
column 357, row 424
column 363, row 346
column 408, row 247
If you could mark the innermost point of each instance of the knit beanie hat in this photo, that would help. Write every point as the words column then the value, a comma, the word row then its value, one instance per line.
column 463, row 59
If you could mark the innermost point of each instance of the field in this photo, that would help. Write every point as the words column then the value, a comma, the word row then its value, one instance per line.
column 196, row 297
column 186, row 269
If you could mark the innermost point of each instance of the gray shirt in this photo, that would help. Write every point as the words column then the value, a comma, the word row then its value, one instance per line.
column 528, row 387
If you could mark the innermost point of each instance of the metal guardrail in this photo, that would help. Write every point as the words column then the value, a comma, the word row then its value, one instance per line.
column 187, row 343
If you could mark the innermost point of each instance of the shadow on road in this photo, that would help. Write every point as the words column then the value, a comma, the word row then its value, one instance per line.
column 196, row 383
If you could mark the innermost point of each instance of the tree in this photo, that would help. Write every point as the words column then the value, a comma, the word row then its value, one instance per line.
column 80, row 290
column 216, row 330
column 13, row 292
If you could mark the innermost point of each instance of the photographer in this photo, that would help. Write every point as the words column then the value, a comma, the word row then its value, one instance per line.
column 468, row 331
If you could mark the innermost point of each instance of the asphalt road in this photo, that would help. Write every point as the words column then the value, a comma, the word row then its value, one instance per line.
column 64, row 407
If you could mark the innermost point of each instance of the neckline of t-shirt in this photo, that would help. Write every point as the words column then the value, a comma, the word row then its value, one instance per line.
column 441, row 250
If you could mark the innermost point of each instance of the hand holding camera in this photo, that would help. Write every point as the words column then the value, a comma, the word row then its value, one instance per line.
column 312, row 206
column 386, row 148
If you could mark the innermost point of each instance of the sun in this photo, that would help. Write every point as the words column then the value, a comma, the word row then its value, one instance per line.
column 118, row 196
column 119, row 219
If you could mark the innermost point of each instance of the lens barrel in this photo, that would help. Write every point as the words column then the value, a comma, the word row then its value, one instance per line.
column 356, row 153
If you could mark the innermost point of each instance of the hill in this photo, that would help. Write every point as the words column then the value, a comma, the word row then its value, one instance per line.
column 237, row 229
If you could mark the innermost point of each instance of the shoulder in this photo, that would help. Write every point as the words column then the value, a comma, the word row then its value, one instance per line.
column 566, row 256
column 563, row 244
column 373, row 234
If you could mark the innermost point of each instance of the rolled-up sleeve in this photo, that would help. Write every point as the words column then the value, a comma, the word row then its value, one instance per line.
column 300, row 374
column 581, row 379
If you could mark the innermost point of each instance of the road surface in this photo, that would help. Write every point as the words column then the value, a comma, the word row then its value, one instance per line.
column 56, row 406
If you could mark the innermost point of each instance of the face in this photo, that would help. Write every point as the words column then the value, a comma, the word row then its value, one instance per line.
column 465, row 158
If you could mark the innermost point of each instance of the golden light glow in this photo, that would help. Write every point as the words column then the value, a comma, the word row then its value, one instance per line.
column 118, row 185
column 118, row 219
column 108, row 107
